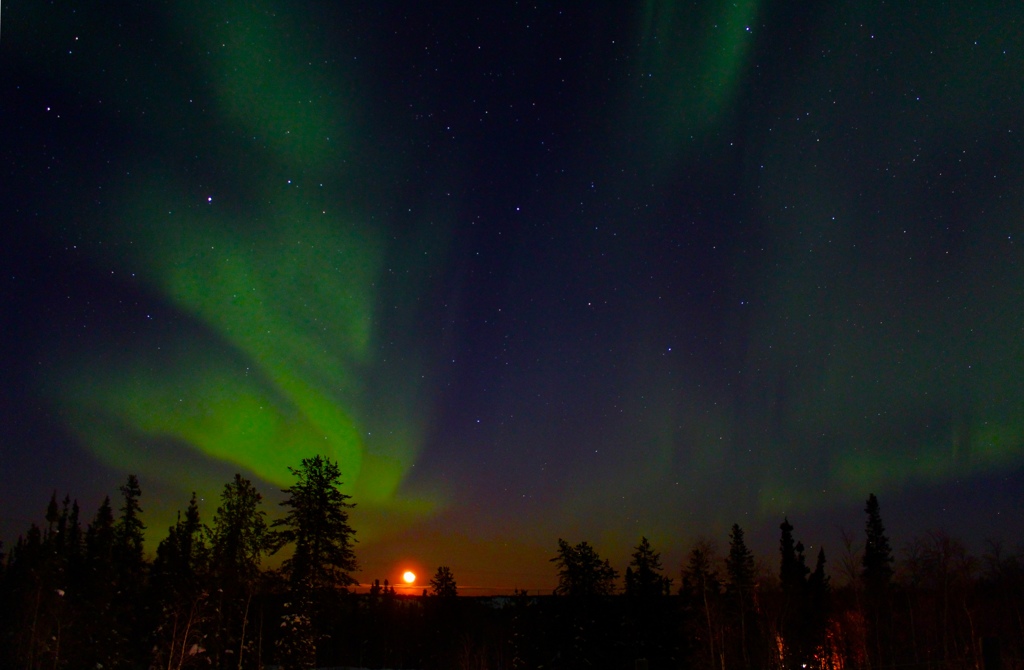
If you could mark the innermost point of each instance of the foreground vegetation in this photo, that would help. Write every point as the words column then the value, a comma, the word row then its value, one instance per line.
column 90, row 598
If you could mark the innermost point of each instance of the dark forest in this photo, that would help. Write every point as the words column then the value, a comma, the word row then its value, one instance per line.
column 86, row 593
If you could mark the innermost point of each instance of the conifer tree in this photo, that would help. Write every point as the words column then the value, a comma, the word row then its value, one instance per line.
column 132, row 614
column 583, row 576
column 238, row 543
column 75, row 539
column 105, row 638
column 793, row 580
column 128, row 538
column 99, row 537
column 69, row 538
column 877, row 574
column 239, row 534
column 644, row 576
column 52, row 518
column 443, row 583
column 649, row 615
column 38, row 581
column 581, row 572
column 819, row 596
column 739, row 591
column 317, row 525
column 701, row 590
column 181, row 557
column 877, row 558
column 793, row 566
column 177, row 589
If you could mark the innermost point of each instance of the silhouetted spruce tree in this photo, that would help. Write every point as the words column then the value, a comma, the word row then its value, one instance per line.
column 443, row 583
column 71, row 541
column 701, row 591
column 48, row 580
column 52, row 517
column 63, row 569
column 178, row 592
column 239, row 539
column 134, row 618
column 99, row 538
column 793, row 565
column 648, row 611
column 739, row 595
column 581, row 572
column 129, row 531
column 877, row 575
column 794, row 615
column 644, row 576
column 583, row 576
column 181, row 557
column 99, row 552
column 316, row 524
column 74, row 548
column 39, row 626
column 441, row 618
column 37, row 596
column 105, row 638
column 819, row 603
column 878, row 558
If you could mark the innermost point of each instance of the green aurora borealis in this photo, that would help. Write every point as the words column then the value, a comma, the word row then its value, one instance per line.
column 524, row 272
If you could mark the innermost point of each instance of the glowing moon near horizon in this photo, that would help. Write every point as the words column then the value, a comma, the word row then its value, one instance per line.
column 409, row 577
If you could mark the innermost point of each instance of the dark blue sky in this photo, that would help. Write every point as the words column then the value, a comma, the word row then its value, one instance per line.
column 527, row 271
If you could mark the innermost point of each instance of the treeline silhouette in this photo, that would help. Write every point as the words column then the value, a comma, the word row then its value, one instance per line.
column 79, row 594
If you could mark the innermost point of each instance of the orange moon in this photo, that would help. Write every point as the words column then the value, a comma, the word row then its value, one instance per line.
column 409, row 577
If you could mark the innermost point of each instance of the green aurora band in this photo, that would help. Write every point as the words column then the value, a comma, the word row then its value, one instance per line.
column 280, row 283
column 277, row 273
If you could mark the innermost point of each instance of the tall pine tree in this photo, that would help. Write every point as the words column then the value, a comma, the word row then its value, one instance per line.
column 819, row 601
column 793, row 571
column 878, row 558
column 177, row 589
column 643, row 576
column 239, row 540
column 739, row 591
column 128, row 539
column 316, row 525
column 105, row 637
column 132, row 613
column 701, row 591
column 877, row 574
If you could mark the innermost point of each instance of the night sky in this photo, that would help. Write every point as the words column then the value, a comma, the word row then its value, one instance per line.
column 526, row 270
